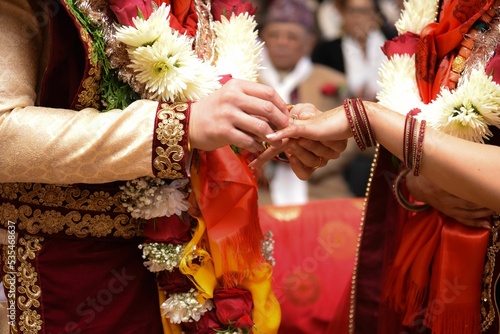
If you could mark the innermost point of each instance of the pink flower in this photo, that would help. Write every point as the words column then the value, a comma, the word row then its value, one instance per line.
column 228, row 7
column 403, row 44
column 125, row 10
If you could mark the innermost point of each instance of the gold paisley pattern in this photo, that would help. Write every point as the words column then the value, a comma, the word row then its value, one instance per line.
column 50, row 209
column 28, row 292
column 170, row 132
column 488, row 307
column 25, row 278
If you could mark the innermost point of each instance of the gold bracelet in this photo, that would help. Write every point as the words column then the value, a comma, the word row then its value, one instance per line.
column 403, row 201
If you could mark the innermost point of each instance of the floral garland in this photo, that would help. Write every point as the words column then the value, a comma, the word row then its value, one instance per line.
column 153, row 54
column 467, row 111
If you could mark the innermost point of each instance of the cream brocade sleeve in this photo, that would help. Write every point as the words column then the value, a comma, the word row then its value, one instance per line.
column 55, row 145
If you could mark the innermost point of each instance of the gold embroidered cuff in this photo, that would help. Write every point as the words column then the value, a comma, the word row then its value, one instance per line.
column 170, row 142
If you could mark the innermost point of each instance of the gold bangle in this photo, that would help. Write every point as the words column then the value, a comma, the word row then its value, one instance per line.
column 403, row 201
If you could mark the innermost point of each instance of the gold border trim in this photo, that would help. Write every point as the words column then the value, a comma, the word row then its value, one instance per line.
column 170, row 133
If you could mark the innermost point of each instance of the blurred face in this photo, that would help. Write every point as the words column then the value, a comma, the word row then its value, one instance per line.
column 286, row 43
column 359, row 17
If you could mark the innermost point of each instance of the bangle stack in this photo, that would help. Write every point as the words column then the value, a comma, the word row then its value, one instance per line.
column 413, row 143
column 359, row 123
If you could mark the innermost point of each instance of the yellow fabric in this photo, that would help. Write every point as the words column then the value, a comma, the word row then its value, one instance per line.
column 266, row 309
column 202, row 275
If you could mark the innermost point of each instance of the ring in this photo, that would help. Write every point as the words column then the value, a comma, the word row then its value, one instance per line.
column 318, row 164
column 294, row 117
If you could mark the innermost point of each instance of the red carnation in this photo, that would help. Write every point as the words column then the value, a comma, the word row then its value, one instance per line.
column 228, row 7
column 403, row 44
column 233, row 307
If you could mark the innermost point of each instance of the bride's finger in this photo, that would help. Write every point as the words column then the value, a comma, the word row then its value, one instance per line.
column 268, row 154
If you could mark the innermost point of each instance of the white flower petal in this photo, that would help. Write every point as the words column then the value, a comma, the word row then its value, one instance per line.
column 147, row 31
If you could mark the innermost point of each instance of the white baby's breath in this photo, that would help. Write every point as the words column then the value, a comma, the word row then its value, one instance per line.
column 237, row 44
column 184, row 307
column 161, row 256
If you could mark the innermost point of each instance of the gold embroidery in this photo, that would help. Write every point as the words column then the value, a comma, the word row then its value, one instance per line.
column 170, row 132
column 488, row 293
column 28, row 291
column 50, row 209
column 89, row 96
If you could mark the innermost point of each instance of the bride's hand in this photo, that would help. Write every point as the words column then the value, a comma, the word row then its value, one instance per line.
column 305, row 154
column 459, row 209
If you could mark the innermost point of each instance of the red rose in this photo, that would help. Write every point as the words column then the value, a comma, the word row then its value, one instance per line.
column 403, row 44
column 329, row 89
column 207, row 324
column 125, row 10
column 170, row 230
column 493, row 66
column 228, row 7
column 173, row 282
column 233, row 306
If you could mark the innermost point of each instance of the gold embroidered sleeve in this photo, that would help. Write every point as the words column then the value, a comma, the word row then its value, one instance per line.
column 170, row 143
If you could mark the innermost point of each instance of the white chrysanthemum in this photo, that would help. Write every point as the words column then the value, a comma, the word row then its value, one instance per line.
column 237, row 44
column 467, row 111
column 416, row 15
column 167, row 200
column 147, row 31
column 150, row 197
column 399, row 89
column 184, row 307
column 171, row 71
column 484, row 95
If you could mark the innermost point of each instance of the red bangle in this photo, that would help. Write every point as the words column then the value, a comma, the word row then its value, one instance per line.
column 420, row 148
column 359, row 123
column 413, row 143
column 351, row 119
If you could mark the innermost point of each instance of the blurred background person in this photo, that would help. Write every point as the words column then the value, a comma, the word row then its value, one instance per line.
column 357, row 53
column 288, row 29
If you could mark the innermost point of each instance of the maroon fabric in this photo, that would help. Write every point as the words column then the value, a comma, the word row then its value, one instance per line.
column 98, row 287
column 67, row 62
column 380, row 229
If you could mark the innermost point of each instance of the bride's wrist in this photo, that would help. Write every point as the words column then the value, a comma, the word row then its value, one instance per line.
column 359, row 123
